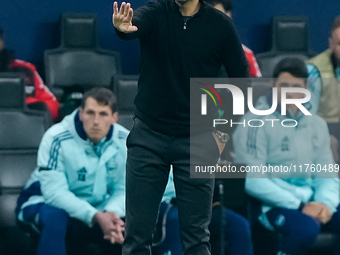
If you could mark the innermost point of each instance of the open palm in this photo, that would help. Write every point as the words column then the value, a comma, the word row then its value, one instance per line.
column 122, row 19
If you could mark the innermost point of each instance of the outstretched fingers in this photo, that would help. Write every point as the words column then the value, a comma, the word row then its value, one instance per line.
column 122, row 8
column 126, row 9
column 115, row 8
column 122, row 17
column 130, row 14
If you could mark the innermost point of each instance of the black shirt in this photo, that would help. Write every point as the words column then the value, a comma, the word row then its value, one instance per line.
column 172, row 53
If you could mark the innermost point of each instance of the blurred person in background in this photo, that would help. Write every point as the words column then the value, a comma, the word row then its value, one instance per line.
column 296, row 203
column 38, row 96
column 327, row 67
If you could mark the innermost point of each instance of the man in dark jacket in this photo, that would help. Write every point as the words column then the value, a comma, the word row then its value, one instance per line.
column 179, row 39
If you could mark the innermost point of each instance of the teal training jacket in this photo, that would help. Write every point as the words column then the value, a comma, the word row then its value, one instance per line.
column 291, row 150
column 75, row 175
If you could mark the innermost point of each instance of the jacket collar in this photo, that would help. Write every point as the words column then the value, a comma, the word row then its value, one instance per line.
column 200, row 12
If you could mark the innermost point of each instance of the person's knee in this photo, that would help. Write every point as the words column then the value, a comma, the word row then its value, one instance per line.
column 237, row 226
column 309, row 232
column 53, row 220
column 172, row 216
column 243, row 228
column 304, row 234
column 299, row 227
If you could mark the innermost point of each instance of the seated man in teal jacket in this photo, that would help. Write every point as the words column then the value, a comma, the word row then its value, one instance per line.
column 291, row 170
column 78, row 186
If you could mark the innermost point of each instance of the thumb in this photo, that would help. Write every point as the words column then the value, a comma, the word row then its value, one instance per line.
column 127, row 28
column 132, row 29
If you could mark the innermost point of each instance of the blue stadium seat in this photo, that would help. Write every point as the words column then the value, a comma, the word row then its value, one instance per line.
column 125, row 88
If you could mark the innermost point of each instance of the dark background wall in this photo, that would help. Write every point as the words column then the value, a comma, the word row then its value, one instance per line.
column 33, row 26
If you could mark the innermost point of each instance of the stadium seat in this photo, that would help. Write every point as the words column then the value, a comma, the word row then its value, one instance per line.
column 290, row 38
column 125, row 88
column 79, row 63
column 20, row 133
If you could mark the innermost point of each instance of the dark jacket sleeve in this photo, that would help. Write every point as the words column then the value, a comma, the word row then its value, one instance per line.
column 236, row 65
column 233, row 57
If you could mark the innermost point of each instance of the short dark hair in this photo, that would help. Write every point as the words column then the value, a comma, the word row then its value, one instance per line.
column 336, row 23
column 225, row 3
column 102, row 96
column 294, row 66
column 1, row 33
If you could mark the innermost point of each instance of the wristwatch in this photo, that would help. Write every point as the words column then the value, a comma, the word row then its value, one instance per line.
column 222, row 137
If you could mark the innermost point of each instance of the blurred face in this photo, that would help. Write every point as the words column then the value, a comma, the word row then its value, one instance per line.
column 334, row 44
column 286, row 80
column 97, row 119
column 221, row 8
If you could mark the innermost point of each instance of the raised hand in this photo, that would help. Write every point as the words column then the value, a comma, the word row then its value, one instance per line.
column 122, row 19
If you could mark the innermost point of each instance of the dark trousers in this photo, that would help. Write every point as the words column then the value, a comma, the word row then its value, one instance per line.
column 150, row 155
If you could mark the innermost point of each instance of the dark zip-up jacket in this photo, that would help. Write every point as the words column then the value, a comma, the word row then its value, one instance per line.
column 172, row 52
